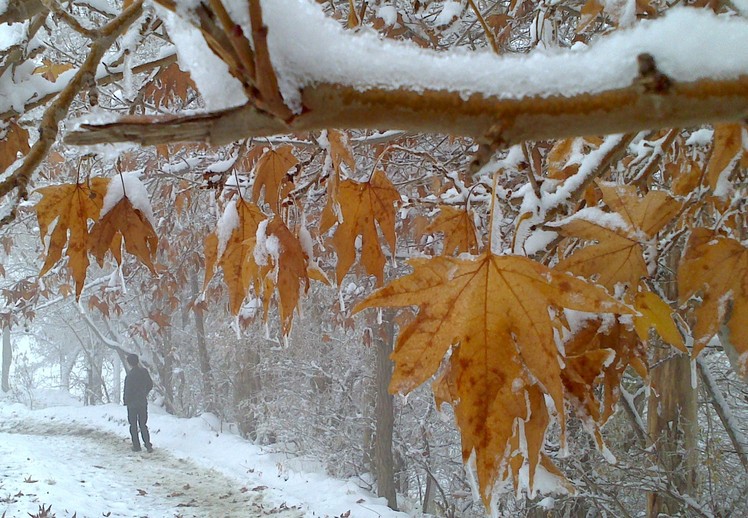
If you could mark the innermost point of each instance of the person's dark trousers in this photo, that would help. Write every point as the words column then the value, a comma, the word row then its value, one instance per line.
column 137, row 416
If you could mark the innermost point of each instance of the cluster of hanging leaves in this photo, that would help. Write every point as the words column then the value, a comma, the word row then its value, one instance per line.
column 64, row 213
column 511, row 342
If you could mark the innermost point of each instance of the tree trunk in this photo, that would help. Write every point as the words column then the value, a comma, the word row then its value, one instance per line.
column 116, row 379
column 7, row 358
column 384, row 412
column 94, row 382
column 247, row 384
column 202, row 351
column 672, row 417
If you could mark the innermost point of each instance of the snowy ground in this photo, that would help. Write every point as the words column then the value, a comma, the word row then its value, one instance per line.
column 78, row 460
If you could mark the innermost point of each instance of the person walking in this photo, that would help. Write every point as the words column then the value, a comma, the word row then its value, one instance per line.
column 138, row 384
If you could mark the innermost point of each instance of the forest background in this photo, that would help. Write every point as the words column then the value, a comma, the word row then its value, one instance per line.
column 274, row 169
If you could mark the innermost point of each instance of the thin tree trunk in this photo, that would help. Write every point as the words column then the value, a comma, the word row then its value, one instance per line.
column 116, row 379
column 7, row 358
column 384, row 413
column 672, row 417
column 202, row 351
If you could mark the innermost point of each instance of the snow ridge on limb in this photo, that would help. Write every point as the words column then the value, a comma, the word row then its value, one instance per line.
column 510, row 99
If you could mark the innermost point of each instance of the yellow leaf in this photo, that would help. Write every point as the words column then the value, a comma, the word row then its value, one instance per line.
column 716, row 267
column 127, row 223
column 491, row 312
column 589, row 13
column 363, row 206
column 169, row 83
column 290, row 270
column 458, row 228
column 656, row 313
column 236, row 259
column 50, row 70
column 727, row 149
column 340, row 151
column 618, row 256
column 69, row 207
column 273, row 174
column 14, row 140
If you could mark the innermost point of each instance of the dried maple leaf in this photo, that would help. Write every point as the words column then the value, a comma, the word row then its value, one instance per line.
column 66, row 209
column 618, row 256
column 124, row 222
column 50, row 70
column 288, row 265
column 168, row 83
column 492, row 312
column 13, row 140
column 458, row 227
column 656, row 313
column 716, row 267
column 363, row 206
column 340, row 151
column 727, row 150
column 273, row 174
column 235, row 253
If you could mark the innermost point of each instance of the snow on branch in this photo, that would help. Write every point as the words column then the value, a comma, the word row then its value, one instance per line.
column 653, row 75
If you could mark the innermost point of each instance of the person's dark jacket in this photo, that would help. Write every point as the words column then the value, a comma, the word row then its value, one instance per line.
column 138, row 384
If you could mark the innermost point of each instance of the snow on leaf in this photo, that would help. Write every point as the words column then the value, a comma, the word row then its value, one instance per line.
column 458, row 228
column 13, row 140
column 716, row 267
column 273, row 174
column 129, row 224
column 290, row 268
column 363, row 206
column 168, row 83
column 236, row 255
column 727, row 149
column 340, row 151
column 618, row 255
column 492, row 313
column 66, row 209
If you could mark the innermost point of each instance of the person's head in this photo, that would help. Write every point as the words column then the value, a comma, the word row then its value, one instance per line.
column 132, row 359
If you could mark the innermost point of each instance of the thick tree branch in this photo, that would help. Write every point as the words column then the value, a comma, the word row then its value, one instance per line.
column 506, row 121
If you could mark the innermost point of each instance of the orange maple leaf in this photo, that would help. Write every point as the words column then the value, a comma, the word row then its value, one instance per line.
column 727, row 150
column 273, row 170
column 458, row 227
column 286, row 269
column 13, row 140
column 124, row 222
column 716, row 267
column 50, row 70
column 70, row 206
column 492, row 312
column 235, row 253
column 618, row 256
column 340, row 151
column 363, row 206
column 168, row 83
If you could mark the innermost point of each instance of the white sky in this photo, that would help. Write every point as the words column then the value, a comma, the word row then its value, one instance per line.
column 80, row 460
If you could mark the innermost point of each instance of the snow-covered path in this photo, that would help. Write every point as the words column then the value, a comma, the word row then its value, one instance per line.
column 78, row 459
column 111, row 480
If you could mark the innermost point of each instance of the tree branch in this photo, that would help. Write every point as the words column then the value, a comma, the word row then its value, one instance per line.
column 507, row 121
